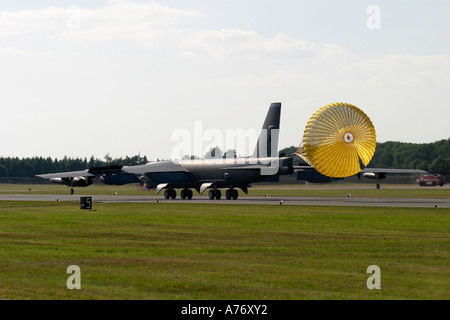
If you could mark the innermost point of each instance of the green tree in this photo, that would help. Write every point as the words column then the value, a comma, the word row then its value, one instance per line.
column 423, row 165
column 3, row 171
column 439, row 166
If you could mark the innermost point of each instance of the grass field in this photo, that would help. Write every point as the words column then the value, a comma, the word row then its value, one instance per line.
column 207, row 251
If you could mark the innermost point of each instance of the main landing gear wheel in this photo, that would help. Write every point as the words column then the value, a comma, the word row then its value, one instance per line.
column 71, row 191
column 378, row 186
column 215, row 194
column 231, row 193
column 186, row 194
column 170, row 194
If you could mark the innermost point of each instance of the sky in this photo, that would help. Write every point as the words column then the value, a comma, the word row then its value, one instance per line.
column 91, row 78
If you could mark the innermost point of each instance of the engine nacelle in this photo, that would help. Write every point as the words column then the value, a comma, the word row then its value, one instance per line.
column 74, row 181
column 107, row 179
column 81, row 182
column 58, row 181
column 374, row 175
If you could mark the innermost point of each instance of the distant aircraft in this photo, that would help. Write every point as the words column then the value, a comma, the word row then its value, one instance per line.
column 346, row 154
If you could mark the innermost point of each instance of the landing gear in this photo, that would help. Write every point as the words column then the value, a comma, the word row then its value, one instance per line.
column 215, row 194
column 186, row 194
column 231, row 193
column 170, row 194
column 378, row 186
column 71, row 191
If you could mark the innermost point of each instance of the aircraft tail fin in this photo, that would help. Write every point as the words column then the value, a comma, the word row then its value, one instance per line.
column 267, row 144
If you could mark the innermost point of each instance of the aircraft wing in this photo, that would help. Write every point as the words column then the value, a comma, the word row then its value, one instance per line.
column 370, row 170
column 108, row 175
column 394, row 171
column 380, row 173
column 310, row 174
column 70, row 174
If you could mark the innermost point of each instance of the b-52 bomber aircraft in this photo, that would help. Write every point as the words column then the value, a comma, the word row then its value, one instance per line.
column 338, row 142
column 213, row 174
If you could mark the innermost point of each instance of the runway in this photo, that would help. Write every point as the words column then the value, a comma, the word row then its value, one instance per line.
column 298, row 201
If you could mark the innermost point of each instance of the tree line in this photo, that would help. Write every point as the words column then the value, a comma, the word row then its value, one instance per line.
column 432, row 157
column 29, row 167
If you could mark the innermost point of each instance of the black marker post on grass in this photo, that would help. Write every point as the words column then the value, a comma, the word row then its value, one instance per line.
column 85, row 203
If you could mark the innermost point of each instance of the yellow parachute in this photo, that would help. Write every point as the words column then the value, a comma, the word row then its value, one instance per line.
column 339, row 140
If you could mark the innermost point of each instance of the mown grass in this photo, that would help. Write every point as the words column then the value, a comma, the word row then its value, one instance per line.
column 206, row 251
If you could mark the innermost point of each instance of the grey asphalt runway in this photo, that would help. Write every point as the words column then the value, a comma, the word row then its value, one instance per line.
column 326, row 201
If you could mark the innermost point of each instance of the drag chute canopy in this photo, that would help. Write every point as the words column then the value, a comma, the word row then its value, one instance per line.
column 339, row 140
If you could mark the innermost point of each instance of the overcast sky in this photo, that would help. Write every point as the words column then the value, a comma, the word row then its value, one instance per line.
column 82, row 78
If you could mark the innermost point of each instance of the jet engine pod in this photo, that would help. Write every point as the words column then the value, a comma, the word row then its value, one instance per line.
column 339, row 140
